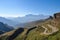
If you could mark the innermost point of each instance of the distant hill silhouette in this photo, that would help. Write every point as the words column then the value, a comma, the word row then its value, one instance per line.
column 7, row 21
column 19, row 20
column 29, row 18
column 5, row 28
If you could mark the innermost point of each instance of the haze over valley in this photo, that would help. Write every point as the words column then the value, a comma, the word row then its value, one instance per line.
column 29, row 19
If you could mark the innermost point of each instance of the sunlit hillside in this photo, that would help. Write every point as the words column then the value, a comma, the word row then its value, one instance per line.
column 49, row 29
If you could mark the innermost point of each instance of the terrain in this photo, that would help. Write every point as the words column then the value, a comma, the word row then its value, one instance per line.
column 5, row 28
column 7, row 21
column 47, row 29
column 29, row 18
column 21, row 21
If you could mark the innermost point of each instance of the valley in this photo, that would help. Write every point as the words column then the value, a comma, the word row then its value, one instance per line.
column 47, row 29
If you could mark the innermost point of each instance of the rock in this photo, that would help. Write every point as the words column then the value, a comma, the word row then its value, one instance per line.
column 57, row 15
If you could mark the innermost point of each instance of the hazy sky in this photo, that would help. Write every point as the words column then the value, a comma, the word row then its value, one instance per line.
column 13, row 8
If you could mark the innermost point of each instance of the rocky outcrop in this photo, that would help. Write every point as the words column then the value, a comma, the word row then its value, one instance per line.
column 57, row 19
column 57, row 15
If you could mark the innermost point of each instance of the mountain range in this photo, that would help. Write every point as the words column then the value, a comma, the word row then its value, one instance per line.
column 29, row 18
column 13, row 21
column 7, row 21
column 47, row 29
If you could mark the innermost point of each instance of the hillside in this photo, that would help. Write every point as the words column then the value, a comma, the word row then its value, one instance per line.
column 5, row 28
column 48, row 29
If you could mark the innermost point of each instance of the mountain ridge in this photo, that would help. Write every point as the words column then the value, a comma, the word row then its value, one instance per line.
column 29, row 18
column 48, row 29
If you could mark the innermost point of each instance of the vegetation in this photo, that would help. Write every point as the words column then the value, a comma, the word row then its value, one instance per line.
column 36, row 33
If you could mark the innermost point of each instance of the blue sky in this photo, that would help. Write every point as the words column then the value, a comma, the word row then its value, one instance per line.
column 15, row 8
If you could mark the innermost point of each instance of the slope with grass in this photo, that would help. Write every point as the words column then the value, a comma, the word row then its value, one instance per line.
column 49, row 29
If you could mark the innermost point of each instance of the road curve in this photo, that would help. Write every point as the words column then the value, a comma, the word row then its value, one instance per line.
column 54, row 29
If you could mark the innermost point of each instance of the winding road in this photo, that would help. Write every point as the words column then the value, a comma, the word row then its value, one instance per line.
column 54, row 29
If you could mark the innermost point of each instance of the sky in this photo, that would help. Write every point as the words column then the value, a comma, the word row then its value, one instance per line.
column 20, row 8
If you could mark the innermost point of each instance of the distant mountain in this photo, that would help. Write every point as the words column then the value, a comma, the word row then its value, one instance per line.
column 7, row 21
column 47, row 29
column 30, row 24
column 33, row 23
column 5, row 28
column 29, row 18
column 19, row 20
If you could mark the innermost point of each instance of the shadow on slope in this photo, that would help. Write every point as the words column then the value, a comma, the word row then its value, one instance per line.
column 15, row 34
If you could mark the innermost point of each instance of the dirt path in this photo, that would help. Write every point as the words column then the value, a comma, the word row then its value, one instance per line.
column 54, row 29
column 45, row 29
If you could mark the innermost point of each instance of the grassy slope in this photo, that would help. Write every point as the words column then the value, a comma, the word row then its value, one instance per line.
column 35, row 33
